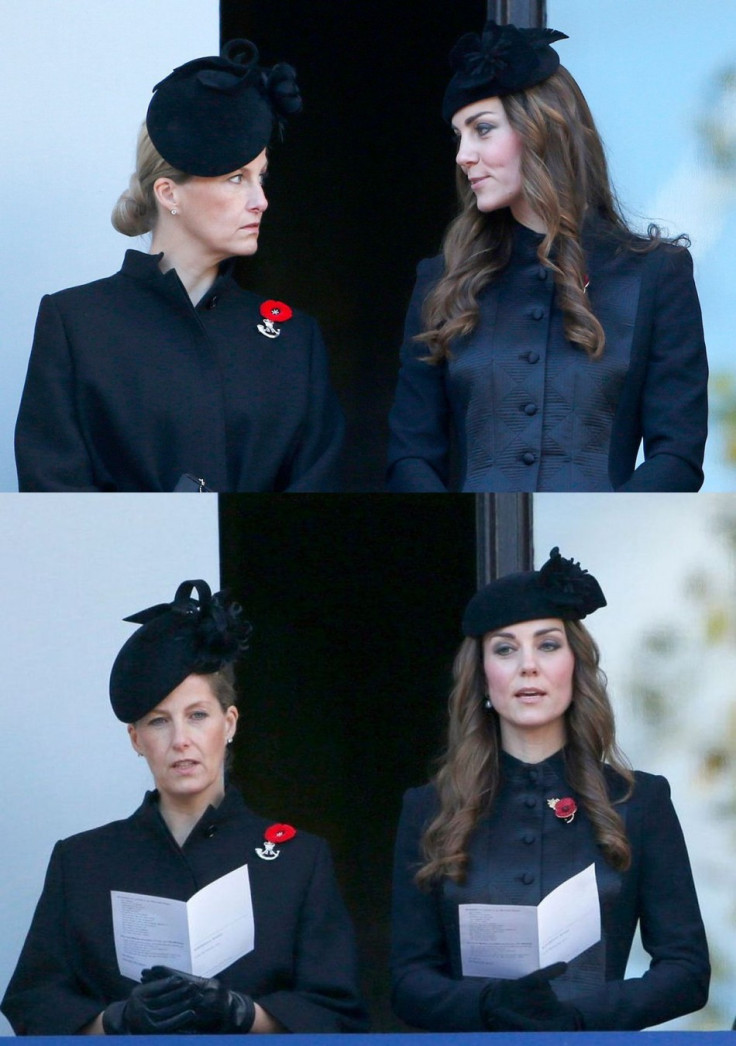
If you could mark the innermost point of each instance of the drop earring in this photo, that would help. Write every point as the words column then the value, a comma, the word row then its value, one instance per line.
column 488, row 704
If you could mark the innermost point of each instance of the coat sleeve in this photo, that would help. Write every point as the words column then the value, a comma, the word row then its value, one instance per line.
column 424, row 993
column 324, row 995
column 674, row 401
column 45, row 996
column 315, row 465
column 50, row 450
column 420, row 417
column 669, row 920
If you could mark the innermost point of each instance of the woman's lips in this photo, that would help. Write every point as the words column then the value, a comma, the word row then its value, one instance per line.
column 184, row 765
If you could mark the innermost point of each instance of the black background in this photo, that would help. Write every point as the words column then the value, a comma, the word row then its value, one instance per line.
column 356, row 602
column 363, row 185
column 356, row 599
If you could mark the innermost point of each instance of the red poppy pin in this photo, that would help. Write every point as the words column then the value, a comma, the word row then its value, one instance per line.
column 273, row 312
column 565, row 809
column 277, row 833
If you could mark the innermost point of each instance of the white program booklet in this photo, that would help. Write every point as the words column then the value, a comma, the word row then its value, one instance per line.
column 203, row 935
column 511, row 940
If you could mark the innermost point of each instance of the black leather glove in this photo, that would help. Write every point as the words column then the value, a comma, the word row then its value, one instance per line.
column 528, row 1004
column 216, row 1008
column 158, row 1006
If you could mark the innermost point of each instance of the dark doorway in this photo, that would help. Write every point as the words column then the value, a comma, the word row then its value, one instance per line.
column 356, row 602
column 363, row 186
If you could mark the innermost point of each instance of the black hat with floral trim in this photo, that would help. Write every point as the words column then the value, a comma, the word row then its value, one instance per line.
column 175, row 639
column 214, row 115
column 503, row 60
column 561, row 589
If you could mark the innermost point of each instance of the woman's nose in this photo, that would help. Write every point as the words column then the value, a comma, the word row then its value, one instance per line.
column 528, row 661
column 258, row 201
column 180, row 738
column 465, row 156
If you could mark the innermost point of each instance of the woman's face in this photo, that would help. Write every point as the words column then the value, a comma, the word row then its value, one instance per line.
column 529, row 670
column 221, row 217
column 489, row 154
column 183, row 740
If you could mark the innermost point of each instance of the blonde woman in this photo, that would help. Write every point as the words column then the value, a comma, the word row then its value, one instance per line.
column 169, row 375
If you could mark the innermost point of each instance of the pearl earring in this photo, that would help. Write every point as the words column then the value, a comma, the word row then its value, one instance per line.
column 488, row 704
column 174, row 210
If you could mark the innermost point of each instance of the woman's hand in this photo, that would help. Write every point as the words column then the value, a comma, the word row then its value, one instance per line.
column 528, row 1004
column 161, row 1004
column 215, row 1007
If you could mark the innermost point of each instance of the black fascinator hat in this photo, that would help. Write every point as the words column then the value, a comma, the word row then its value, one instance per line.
column 504, row 59
column 561, row 588
column 214, row 115
column 175, row 639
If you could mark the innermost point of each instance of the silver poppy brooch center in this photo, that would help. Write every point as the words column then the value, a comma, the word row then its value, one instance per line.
column 273, row 312
column 273, row 836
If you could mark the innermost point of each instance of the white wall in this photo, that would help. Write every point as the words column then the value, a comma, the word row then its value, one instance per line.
column 71, row 567
column 75, row 81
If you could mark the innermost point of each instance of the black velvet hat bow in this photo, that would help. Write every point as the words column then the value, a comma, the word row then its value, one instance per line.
column 503, row 60
column 213, row 115
column 560, row 589
column 175, row 639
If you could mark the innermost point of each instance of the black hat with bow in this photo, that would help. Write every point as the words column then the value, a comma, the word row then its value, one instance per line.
column 561, row 589
column 214, row 115
column 503, row 60
column 175, row 639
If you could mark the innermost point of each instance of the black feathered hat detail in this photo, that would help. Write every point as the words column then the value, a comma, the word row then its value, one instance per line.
column 561, row 588
column 504, row 59
column 175, row 639
column 213, row 115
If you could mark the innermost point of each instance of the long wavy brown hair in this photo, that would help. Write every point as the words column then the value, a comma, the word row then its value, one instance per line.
column 469, row 774
column 564, row 179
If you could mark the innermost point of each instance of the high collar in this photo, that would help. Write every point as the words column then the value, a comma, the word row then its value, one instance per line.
column 545, row 772
column 525, row 240
column 232, row 805
column 138, row 265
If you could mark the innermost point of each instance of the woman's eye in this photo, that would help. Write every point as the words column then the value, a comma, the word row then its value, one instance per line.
column 236, row 179
column 482, row 129
column 199, row 715
column 503, row 649
column 550, row 644
column 157, row 721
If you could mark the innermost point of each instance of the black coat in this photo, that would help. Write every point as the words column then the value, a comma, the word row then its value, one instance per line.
column 520, row 854
column 302, row 969
column 130, row 386
column 531, row 411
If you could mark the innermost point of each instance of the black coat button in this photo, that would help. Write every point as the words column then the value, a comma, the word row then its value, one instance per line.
column 528, row 838
column 533, row 774
column 530, row 802
column 530, row 409
column 528, row 458
column 542, row 273
column 537, row 312
column 530, row 357
column 209, row 830
column 212, row 303
column 527, row 878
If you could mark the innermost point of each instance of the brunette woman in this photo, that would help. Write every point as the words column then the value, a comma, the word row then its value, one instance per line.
column 549, row 340
column 532, row 791
column 172, row 684
column 168, row 375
